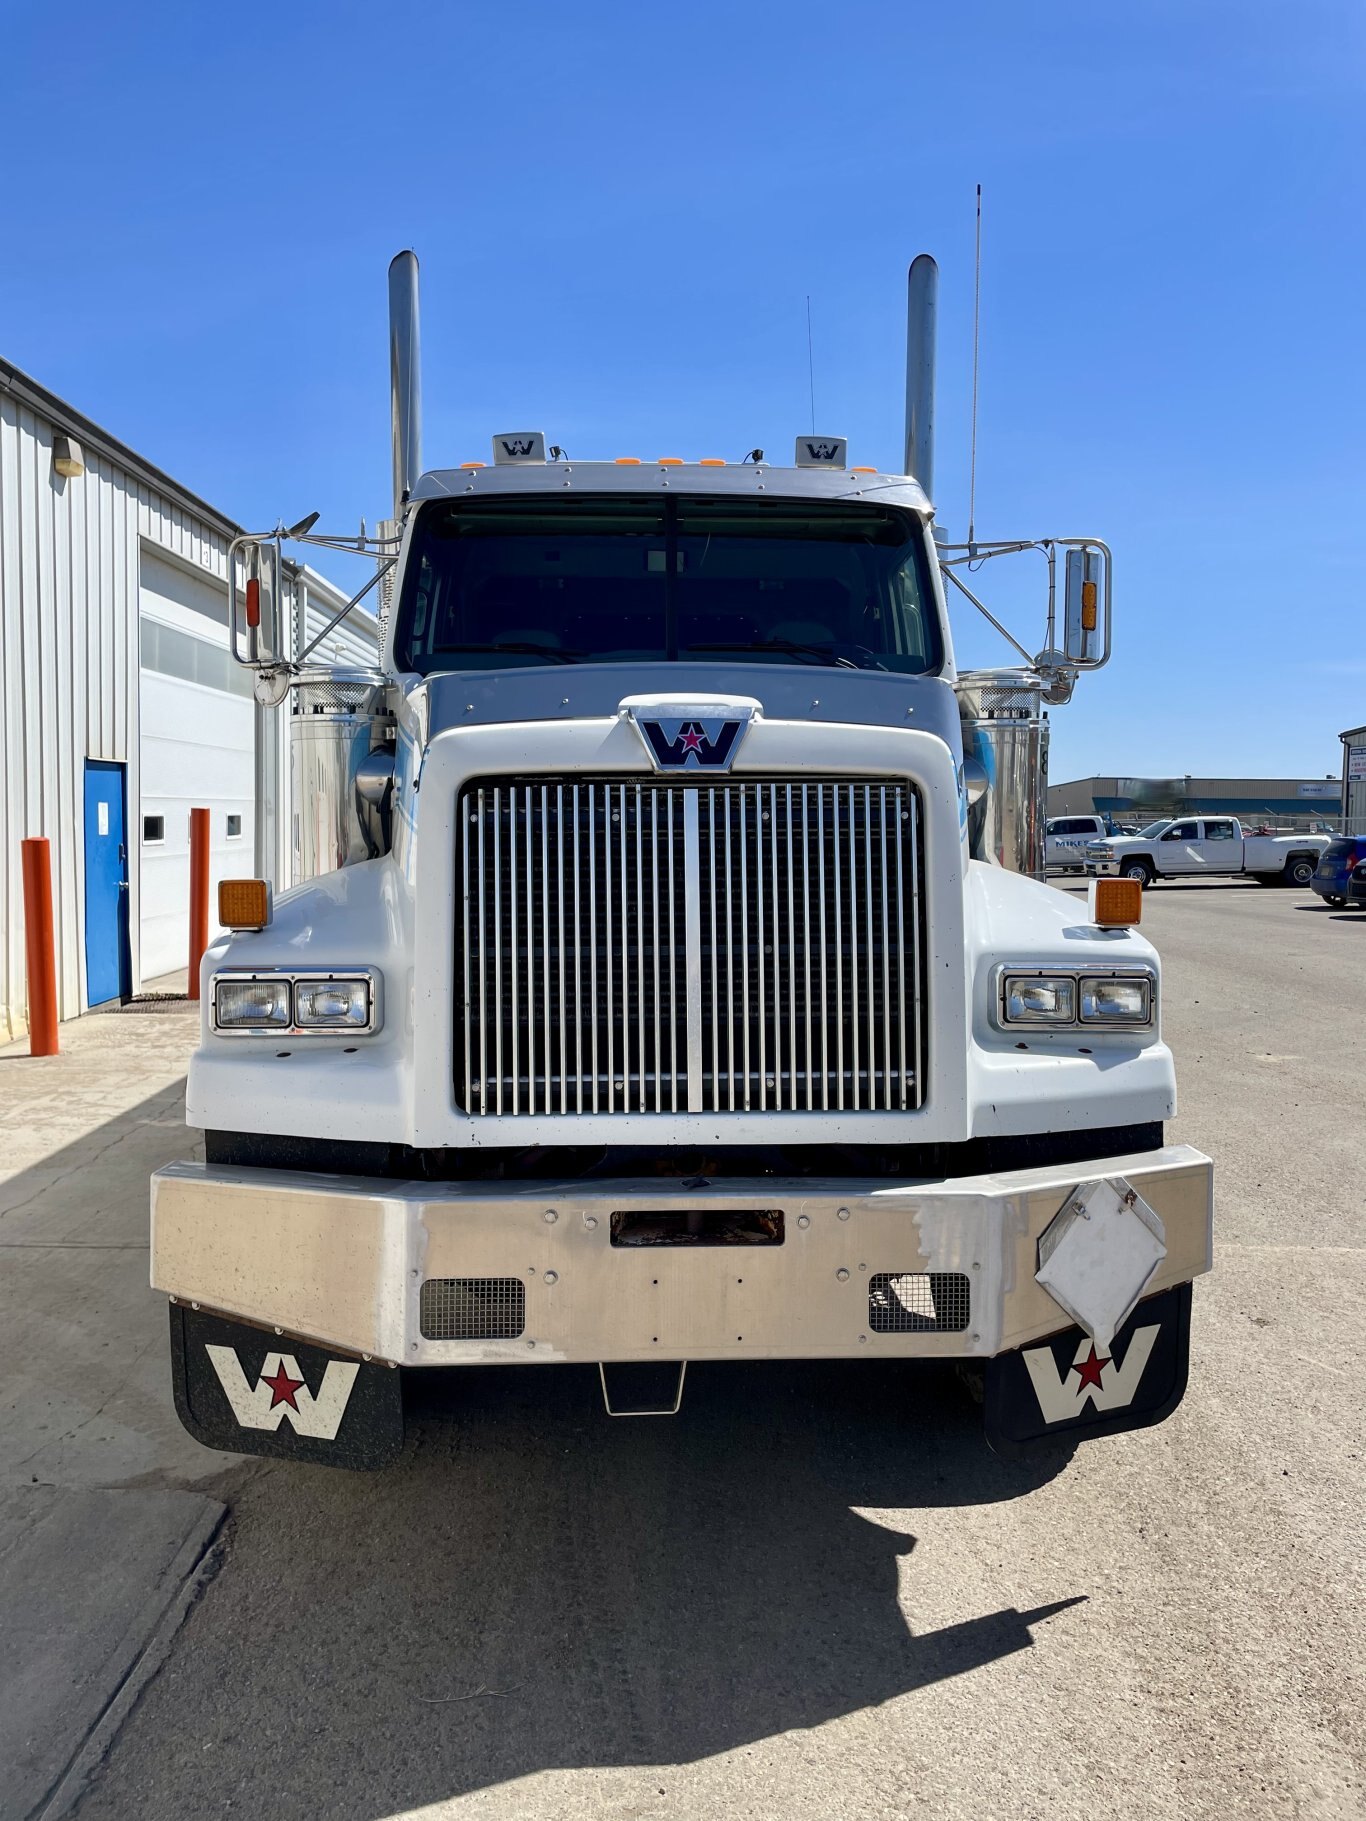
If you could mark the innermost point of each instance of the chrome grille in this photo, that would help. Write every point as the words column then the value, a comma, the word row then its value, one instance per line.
column 472, row 1308
column 903, row 1302
column 664, row 947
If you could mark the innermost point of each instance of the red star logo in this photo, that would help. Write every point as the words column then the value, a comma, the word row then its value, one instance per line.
column 282, row 1387
column 1090, row 1369
column 692, row 740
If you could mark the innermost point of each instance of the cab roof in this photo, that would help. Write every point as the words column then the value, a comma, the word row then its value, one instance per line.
column 739, row 479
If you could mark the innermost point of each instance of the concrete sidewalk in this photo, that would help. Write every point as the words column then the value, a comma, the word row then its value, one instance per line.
column 106, row 1505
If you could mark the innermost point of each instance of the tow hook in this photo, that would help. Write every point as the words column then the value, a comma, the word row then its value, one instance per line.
column 635, row 1382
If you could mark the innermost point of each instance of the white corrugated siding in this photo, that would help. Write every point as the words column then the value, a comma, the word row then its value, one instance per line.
column 69, row 665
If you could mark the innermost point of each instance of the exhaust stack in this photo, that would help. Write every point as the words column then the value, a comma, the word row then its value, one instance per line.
column 405, row 379
column 922, row 316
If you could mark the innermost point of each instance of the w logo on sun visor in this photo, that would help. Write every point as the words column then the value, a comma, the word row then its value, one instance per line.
column 676, row 745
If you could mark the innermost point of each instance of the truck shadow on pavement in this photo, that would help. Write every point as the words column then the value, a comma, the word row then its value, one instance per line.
column 536, row 1586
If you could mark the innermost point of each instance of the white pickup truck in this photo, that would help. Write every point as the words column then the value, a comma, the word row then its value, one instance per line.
column 1207, row 847
column 1066, row 839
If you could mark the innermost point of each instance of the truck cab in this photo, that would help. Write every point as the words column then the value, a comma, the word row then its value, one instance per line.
column 678, row 1002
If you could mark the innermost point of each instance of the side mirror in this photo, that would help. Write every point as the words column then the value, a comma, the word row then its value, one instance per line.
column 255, row 602
column 1086, row 597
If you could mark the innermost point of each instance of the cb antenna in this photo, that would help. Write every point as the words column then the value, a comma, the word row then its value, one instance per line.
column 810, row 364
column 976, row 342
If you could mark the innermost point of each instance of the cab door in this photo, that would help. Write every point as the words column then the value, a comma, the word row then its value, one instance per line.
column 1179, row 849
column 1221, row 848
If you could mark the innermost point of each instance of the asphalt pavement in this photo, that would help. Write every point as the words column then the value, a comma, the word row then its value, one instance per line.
column 815, row 1593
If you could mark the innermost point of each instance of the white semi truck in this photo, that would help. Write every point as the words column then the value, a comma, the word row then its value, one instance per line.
column 684, row 986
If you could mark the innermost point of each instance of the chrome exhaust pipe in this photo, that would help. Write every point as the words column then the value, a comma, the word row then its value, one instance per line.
column 405, row 377
column 922, row 317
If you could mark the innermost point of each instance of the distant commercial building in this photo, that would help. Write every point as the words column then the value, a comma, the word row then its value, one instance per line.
column 120, row 706
column 1354, row 781
column 1288, row 803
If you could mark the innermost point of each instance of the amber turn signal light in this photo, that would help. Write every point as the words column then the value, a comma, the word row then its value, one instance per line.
column 1116, row 903
column 243, row 903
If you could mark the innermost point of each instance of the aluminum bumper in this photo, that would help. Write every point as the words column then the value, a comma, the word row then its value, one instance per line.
column 341, row 1260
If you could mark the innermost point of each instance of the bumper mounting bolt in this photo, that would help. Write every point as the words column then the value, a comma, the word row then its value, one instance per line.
column 551, row 1277
column 590, row 1221
column 844, row 1213
column 550, row 1217
column 842, row 1275
column 803, row 1220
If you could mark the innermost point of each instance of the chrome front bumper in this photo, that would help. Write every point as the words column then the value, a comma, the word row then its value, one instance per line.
column 341, row 1260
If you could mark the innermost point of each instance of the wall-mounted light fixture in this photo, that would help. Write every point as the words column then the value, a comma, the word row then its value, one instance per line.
column 66, row 457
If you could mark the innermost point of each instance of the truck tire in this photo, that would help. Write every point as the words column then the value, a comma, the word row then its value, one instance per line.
column 1300, row 869
column 1139, row 869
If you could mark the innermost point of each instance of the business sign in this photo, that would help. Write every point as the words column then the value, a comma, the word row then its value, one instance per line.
column 1329, row 788
column 1356, row 763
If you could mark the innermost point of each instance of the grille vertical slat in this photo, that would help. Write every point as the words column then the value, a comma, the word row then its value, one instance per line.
column 797, row 982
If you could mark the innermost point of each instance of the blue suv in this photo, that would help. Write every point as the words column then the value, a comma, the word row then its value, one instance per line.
column 1335, row 866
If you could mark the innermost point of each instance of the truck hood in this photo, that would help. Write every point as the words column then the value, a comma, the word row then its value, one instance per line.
column 807, row 692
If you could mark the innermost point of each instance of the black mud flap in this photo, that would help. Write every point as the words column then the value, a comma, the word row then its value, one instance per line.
column 251, row 1391
column 1067, row 1389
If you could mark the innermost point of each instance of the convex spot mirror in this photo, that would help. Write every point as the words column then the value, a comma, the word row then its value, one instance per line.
column 254, row 600
column 1086, row 611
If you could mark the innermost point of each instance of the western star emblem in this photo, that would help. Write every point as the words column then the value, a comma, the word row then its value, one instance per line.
column 1105, row 1382
column 281, row 1393
column 681, row 745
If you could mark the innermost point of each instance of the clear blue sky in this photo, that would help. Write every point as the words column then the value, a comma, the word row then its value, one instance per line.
column 620, row 212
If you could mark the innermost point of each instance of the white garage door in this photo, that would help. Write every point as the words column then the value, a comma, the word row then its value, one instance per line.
column 197, row 732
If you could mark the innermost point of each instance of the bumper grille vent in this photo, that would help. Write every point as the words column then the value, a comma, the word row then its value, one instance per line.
column 472, row 1308
column 901, row 1302
column 657, row 948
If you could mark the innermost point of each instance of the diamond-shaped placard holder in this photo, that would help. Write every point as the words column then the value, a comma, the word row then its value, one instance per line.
column 1098, row 1255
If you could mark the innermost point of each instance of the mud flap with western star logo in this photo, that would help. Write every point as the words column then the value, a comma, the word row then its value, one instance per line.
column 1066, row 1388
column 251, row 1391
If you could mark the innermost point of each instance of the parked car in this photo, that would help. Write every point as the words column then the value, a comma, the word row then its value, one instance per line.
column 1356, row 887
column 1334, row 870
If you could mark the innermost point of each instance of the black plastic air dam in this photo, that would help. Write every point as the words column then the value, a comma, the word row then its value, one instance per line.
column 587, row 1163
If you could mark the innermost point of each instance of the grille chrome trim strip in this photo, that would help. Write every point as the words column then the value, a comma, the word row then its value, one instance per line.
column 692, row 941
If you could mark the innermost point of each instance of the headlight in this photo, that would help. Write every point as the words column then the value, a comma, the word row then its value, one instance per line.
column 305, row 1003
column 1039, row 999
column 1097, row 850
column 332, row 1004
column 1126, row 998
column 1115, row 1001
column 245, row 1005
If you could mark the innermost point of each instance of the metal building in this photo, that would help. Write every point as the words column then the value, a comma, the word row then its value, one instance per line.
column 1354, row 781
column 120, row 706
column 1289, row 803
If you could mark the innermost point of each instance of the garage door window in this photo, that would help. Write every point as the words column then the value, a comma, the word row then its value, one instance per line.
column 177, row 654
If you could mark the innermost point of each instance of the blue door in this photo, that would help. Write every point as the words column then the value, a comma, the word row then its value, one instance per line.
column 108, row 964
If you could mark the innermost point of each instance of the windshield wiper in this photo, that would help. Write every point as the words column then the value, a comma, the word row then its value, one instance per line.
column 526, row 647
column 820, row 654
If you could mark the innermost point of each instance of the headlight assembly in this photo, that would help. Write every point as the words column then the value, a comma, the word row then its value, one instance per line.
column 297, row 1003
column 1107, row 999
column 1123, row 1000
column 1039, row 999
column 336, row 1005
column 260, row 1004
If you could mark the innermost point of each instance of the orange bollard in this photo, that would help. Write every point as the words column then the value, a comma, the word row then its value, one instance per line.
column 199, row 893
column 39, row 947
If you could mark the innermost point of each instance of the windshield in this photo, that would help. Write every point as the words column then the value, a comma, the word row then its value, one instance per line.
column 1154, row 829
column 502, row 582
